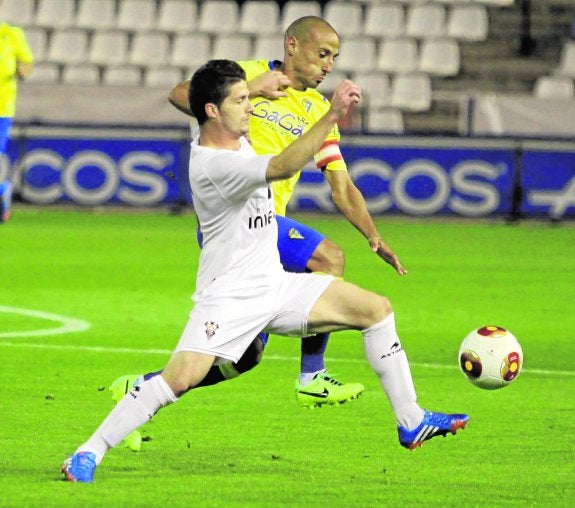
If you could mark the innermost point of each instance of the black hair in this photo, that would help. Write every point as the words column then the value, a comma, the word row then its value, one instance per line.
column 210, row 83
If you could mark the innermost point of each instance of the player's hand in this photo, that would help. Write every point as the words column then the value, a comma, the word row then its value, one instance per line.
column 345, row 95
column 384, row 252
column 270, row 85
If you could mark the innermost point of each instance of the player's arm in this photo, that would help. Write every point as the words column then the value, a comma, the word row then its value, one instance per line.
column 23, row 70
column 351, row 202
column 294, row 157
column 270, row 85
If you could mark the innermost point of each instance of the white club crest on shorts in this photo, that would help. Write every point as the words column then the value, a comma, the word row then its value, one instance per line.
column 211, row 328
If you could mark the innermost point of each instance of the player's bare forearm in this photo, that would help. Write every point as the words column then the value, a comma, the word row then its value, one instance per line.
column 351, row 203
column 178, row 97
column 23, row 70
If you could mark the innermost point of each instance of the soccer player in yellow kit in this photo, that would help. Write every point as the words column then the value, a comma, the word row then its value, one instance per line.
column 286, row 104
column 16, row 62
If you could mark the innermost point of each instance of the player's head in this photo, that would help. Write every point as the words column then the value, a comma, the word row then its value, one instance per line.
column 311, row 45
column 211, row 84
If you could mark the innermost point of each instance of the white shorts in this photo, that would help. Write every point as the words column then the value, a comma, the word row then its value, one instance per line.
column 225, row 327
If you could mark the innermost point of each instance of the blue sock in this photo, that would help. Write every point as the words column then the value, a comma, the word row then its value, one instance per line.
column 312, row 352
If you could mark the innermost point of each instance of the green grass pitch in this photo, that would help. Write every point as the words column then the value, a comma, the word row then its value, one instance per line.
column 246, row 443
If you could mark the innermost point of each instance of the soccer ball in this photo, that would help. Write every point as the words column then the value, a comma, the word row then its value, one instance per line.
column 490, row 357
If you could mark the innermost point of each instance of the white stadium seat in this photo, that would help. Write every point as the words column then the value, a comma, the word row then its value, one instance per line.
column 398, row 55
column 385, row 20
column 411, row 92
column 68, row 46
column 149, row 48
column 468, row 22
column 96, row 14
column 136, row 15
column 190, row 50
column 425, row 20
column 232, row 47
column 124, row 75
column 177, row 16
column 219, row 16
column 109, row 47
column 81, row 74
column 269, row 47
column 345, row 17
column 440, row 57
column 554, row 87
column 388, row 120
column 260, row 17
column 55, row 13
column 163, row 77
column 18, row 12
column 376, row 89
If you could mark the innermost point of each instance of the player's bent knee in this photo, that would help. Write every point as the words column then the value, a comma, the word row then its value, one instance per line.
column 252, row 356
column 327, row 258
column 382, row 309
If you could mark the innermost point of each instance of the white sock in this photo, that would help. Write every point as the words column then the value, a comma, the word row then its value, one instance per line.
column 389, row 361
column 135, row 409
column 305, row 378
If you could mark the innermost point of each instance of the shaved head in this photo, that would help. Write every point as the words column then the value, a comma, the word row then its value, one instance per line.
column 303, row 28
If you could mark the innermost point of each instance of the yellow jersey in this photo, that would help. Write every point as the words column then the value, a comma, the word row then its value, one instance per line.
column 13, row 49
column 275, row 124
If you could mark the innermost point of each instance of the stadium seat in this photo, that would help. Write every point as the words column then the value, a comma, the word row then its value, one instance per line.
column 232, row 47
column 554, row 87
column 136, row 15
column 163, row 77
column 81, row 74
column 149, row 48
column 96, row 14
column 376, row 89
column 425, row 20
column 269, row 47
column 190, row 50
column 18, row 12
column 37, row 38
column 177, row 15
column 358, row 54
column 440, row 57
column 260, row 17
column 45, row 73
column 345, row 17
column 55, row 13
column 398, row 55
column 411, row 92
column 68, row 46
column 109, row 47
column 124, row 75
column 567, row 60
column 387, row 120
column 468, row 22
column 295, row 9
column 219, row 16
column 385, row 20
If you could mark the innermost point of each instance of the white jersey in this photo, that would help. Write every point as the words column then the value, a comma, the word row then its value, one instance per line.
column 235, row 210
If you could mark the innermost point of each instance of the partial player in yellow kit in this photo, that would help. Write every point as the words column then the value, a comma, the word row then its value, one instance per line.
column 277, row 123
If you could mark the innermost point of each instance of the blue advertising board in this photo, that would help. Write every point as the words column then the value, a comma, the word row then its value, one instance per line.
column 95, row 171
column 420, row 181
column 548, row 182
column 420, row 178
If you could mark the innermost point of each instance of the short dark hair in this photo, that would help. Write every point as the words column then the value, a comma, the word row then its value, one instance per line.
column 211, row 83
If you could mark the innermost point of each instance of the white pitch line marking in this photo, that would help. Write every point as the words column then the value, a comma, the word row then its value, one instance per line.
column 67, row 324
column 165, row 352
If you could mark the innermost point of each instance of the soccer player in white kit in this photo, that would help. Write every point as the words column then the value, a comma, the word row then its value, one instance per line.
column 241, row 287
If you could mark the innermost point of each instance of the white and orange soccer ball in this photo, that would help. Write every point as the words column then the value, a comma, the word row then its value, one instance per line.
column 490, row 357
